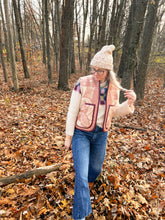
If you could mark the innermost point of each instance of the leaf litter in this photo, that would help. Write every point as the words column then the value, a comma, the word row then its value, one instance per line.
column 32, row 133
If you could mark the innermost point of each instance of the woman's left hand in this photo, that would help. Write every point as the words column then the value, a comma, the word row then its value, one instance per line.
column 130, row 94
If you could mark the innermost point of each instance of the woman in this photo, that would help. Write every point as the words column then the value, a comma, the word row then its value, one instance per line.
column 94, row 101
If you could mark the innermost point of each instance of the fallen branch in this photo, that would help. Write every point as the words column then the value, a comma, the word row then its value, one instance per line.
column 28, row 174
column 128, row 126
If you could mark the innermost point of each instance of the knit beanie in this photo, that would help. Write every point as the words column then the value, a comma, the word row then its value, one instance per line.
column 103, row 58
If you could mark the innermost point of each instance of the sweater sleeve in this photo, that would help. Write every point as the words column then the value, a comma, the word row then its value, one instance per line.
column 73, row 110
column 123, row 109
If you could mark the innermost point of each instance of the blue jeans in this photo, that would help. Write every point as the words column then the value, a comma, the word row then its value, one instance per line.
column 88, row 156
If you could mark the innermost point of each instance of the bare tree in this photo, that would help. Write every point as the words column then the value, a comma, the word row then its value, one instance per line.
column 112, row 23
column 20, row 18
column 32, row 28
column 57, row 31
column 11, row 46
column 18, row 25
column 92, row 31
column 102, row 34
column 159, row 38
column 71, row 40
column 119, row 20
column 64, row 52
column 14, row 31
column 1, row 53
column 43, row 33
column 48, row 42
column 53, row 15
column 131, row 42
column 99, row 10
column 146, row 49
column 85, row 5
column 78, row 30
column 5, row 32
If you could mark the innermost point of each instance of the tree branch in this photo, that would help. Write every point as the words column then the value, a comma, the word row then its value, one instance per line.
column 128, row 126
column 28, row 174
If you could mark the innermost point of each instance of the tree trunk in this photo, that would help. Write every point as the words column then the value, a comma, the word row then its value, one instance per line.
column 78, row 30
column 5, row 32
column 131, row 42
column 100, row 24
column 63, row 73
column 11, row 46
column 116, row 27
column 53, row 32
column 20, row 18
column 48, row 43
column 43, row 33
column 26, row 36
column 118, row 22
column 112, row 23
column 57, row 32
column 18, row 24
column 85, row 13
column 102, row 39
column 92, row 29
column 1, row 53
column 146, row 49
column 71, row 39
column 14, row 32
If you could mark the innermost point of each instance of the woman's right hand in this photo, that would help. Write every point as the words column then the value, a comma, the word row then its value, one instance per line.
column 68, row 142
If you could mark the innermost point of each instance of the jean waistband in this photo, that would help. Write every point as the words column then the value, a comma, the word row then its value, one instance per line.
column 95, row 130
column 98, row 129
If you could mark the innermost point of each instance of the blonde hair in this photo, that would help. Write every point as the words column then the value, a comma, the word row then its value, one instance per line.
column 113, row 79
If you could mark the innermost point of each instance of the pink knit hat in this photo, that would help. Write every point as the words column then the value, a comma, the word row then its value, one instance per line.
column 103, row 58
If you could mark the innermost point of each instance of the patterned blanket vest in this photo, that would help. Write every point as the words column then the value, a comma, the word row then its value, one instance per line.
column 90, row 91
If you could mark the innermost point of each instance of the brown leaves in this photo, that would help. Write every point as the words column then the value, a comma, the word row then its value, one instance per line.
column 32, row 133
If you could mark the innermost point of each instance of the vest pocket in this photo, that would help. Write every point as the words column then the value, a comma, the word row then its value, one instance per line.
column 108, row 115
column 86, row 116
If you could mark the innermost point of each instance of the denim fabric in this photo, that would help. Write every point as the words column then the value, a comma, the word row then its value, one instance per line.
column 88, row 156
column 80, row 219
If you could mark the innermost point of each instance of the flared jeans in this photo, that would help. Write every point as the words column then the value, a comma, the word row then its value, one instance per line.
column 88, row 156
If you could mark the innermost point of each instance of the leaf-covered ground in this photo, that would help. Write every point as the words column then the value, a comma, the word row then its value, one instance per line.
column 32, row 131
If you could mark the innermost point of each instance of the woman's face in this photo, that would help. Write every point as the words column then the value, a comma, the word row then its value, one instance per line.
column 100, row 74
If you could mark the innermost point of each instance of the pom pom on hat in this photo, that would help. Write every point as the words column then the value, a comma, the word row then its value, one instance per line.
column 108, row 48
column 103, row 58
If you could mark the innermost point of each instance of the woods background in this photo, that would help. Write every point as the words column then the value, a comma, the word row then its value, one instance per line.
column 45, row 46
column 67, row 34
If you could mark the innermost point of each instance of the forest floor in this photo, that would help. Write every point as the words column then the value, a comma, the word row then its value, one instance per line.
column 32, row 132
